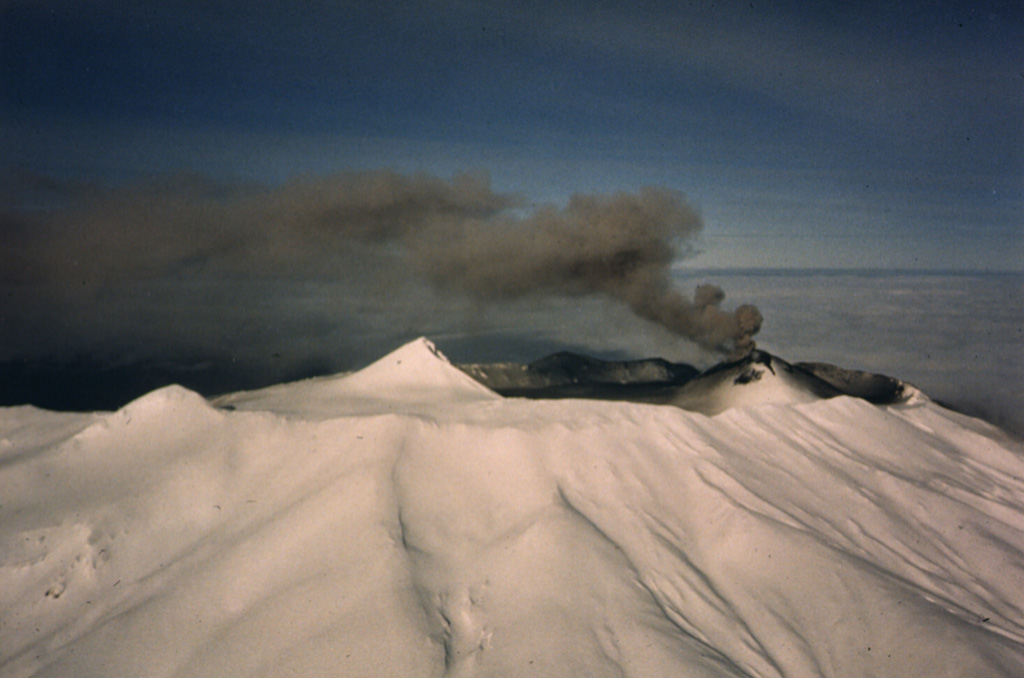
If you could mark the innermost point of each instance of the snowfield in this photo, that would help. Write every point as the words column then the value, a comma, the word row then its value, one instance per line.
column 405, row 520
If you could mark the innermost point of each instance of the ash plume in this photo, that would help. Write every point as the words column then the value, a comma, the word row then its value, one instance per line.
column 458, row 234
column 621, row 246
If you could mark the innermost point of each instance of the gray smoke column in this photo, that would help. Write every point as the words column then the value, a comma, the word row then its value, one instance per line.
column 621, row 246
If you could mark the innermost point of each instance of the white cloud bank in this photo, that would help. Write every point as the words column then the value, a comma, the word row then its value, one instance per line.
column 407, row 521
column 958, row 335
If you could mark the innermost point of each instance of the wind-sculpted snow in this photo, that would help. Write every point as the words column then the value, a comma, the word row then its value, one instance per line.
column 406, row 521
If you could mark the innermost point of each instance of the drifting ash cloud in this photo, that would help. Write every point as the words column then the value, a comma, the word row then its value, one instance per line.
column 458, row 234
column 621, row 246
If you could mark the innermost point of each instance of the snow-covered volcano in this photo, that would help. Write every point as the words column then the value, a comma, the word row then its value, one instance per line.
column 406, row 521
column 760, row 378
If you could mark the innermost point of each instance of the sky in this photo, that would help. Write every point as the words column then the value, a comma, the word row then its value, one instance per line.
column 876, row 134
column 167, row 164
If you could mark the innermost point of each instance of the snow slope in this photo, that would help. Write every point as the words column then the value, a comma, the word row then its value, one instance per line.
column 406, row 521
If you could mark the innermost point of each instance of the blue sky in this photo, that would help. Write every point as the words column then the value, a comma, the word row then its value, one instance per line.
column 222, row 188
column 822, row 135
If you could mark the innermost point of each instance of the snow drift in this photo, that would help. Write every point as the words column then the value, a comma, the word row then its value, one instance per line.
column 406, row 521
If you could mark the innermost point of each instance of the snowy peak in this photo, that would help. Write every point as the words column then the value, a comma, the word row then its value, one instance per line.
column 169, row 401
column 416, row 375
column 757, row 379
column 416, row 367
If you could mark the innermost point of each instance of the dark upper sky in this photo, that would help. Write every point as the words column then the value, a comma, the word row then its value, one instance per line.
column 809, row 134
column 210, row 182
